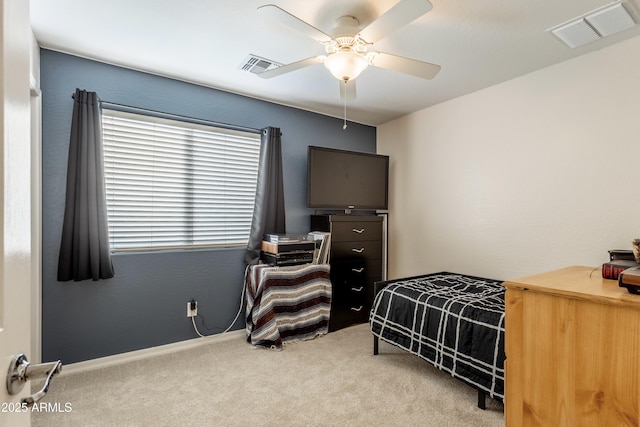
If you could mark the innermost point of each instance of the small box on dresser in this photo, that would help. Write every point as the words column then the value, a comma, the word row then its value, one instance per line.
column 356, row 261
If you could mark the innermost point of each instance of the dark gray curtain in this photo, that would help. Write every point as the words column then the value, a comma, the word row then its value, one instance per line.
column 84, row 249
column 268, row 213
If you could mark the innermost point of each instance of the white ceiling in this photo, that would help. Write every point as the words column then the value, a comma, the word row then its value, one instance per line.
column 477, row 43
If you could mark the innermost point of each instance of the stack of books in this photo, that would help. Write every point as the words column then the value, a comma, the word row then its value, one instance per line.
column 619, row 260
column 323, row 244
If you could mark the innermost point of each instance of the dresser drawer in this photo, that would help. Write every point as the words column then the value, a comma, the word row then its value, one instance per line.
column 373, row 271
column 349, row 272
column 348, row 228
column 351, row 295
column 350, row 231
column 349, row 305
column 358, row 250
column 352, row 300
column 343, row 316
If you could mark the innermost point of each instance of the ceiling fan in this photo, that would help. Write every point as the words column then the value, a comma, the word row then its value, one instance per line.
column 347, row 46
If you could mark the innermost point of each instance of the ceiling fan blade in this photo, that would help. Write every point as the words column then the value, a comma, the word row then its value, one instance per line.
column 398, row 16
column 284, row 17
column 348, row 90
column 424, row 70
column 292, row 67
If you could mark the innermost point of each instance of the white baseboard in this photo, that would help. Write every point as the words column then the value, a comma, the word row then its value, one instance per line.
column 116, row 359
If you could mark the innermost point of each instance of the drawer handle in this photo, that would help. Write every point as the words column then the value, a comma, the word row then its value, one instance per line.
column 356, row 309
column 358, row 289
column 358, row 250
column 358, row 270
column 358, row 230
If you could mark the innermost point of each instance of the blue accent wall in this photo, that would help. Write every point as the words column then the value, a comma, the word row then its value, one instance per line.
column 144, row 305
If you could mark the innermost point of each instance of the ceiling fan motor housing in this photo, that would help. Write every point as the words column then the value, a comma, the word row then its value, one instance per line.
column 345, row 26
column 345, row 36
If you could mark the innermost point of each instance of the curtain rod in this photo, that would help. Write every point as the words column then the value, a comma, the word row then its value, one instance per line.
column 160, row 114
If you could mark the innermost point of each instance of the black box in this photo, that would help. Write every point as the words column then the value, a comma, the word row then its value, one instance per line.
column 630, row 279
column 621, row 254
column 288, row 258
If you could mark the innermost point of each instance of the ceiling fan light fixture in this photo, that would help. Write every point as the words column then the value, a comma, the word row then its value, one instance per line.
column 345, row 64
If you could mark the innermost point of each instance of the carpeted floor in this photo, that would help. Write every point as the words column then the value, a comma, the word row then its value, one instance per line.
column 333, row 380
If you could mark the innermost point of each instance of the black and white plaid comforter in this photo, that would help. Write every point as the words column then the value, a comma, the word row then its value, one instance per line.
column 453, row 321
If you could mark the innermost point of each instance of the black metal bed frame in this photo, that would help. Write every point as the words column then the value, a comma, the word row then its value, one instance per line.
column 377, row 286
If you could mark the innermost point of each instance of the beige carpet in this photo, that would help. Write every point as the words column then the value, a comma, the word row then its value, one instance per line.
column 333, row 380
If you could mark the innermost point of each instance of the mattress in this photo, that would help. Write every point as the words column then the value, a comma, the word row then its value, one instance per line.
column 454, row 321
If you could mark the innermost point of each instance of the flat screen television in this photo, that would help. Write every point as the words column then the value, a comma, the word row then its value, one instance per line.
column 346, row 180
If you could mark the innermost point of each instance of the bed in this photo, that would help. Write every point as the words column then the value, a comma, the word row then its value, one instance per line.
column 453, row 321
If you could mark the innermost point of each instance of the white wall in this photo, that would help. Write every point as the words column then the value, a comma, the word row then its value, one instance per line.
column 530, row 175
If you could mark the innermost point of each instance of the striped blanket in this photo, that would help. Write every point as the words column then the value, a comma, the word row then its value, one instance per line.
column 453, row 321
column 285, row 304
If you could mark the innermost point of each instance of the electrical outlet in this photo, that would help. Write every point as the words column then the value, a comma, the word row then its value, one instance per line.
column 192, row 308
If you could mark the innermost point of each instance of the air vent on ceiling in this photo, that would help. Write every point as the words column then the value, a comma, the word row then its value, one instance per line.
column 592, row 26
column 257, row 65
column 576, row 33
column 610, row 20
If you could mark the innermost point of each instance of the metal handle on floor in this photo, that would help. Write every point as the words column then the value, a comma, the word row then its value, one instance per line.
column 21, row 371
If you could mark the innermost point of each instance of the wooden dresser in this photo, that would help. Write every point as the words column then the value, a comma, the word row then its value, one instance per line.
column 573, row 351
column 356, row 261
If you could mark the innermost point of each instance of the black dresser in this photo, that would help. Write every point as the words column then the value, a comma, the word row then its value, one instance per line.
column 357, row 261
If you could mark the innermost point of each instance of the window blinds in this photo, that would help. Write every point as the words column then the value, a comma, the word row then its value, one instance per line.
column 177, row 184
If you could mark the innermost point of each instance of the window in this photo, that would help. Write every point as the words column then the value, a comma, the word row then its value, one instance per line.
column 175, row 184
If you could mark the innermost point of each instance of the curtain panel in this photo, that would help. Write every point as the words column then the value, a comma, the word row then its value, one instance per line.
column 84, row 248
column 268, row 212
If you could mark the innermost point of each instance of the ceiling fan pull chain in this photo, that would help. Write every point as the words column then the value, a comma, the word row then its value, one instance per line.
column 344, row 126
